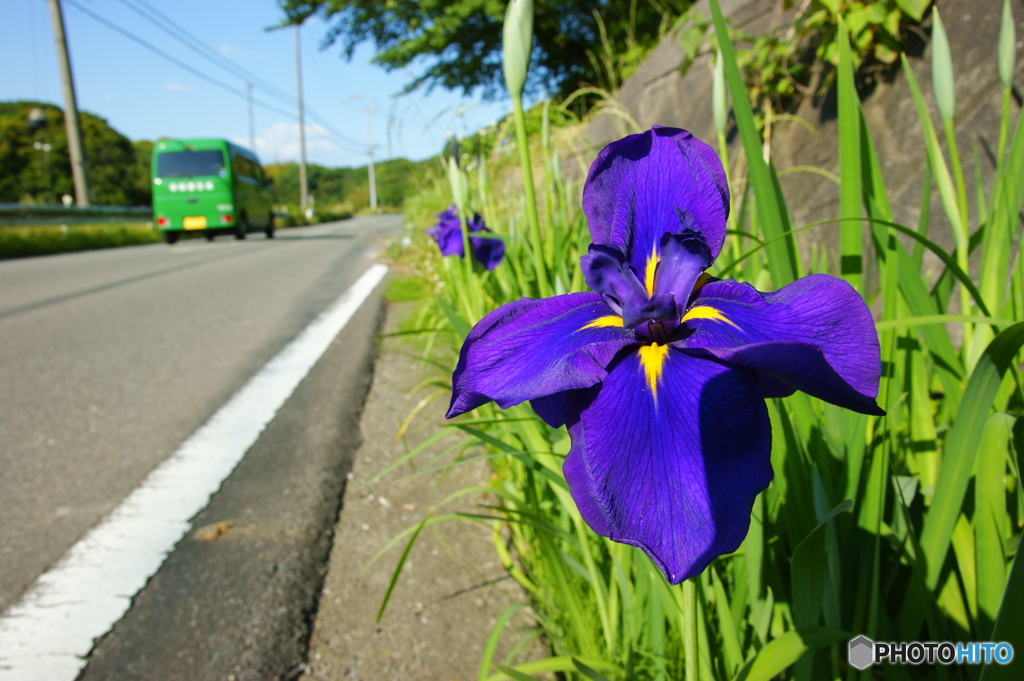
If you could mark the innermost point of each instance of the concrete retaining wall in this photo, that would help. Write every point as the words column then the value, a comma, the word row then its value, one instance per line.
column 658, row 93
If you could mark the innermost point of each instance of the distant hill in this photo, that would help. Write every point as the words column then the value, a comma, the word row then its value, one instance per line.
column 118, row 170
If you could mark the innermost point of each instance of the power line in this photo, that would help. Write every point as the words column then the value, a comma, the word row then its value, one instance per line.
column 157, row 50
column 354, row 147
column 164, row 23
column 337, row 84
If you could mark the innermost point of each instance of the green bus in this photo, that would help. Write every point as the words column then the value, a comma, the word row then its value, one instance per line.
column 209, row 186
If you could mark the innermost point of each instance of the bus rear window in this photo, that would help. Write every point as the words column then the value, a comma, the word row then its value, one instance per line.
column 189, row 163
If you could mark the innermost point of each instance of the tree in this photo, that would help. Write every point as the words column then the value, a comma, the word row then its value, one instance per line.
column 142, row 191
column 35, row 165
column 335, row 188
column 458, row 42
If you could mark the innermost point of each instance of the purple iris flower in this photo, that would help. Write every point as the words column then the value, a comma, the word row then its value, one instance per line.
column 447, row 232
column 489, row 252
column 661, row 372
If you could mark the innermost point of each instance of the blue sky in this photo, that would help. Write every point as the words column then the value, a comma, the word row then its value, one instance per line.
column 144, row 96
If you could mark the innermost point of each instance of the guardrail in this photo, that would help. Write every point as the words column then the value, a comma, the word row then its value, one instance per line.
column 18, row 214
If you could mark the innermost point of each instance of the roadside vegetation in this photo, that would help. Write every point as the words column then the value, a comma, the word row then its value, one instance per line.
column 24, row 242
column 899, row 527
column 35, row 167
column 341, row 192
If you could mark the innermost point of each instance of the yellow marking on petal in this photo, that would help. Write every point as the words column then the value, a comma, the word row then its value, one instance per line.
column 706, row 312
column 652, row 267
column 701, row 280
column 652, row 359
column 609, row 320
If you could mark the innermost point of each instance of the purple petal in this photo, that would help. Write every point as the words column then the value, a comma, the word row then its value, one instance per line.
column 683, row 259
column 448, row 232
column 533, row 348
column 489, row 252
column 449, row 239
column 477, row 224
column 800, row 365
column 448, row 235
column 815, row 335
column 661, row 307
column 676, row 476
column 551, row 408
column 663, row 180
column 773, row 387
column 606, row 272
column 448, row 214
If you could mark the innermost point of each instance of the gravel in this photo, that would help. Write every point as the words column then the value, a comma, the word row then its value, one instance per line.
column 452, row 587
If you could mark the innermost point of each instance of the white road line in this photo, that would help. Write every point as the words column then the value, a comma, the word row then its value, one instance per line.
column 47, row 634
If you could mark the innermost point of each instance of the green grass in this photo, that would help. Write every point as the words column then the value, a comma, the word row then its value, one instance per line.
column 902, row 527
column 406, row 289
column 24, row 242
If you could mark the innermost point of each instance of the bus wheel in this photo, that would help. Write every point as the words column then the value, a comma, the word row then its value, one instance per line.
column 170, row 237
column 269, row 231
column 209, row 234
column 242, row 228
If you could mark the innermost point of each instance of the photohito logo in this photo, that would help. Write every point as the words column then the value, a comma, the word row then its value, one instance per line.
column 863, row 652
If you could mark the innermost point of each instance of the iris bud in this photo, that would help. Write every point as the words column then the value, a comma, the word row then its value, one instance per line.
column 719, row 104
column 459, row 185
column 1007, row 46
column 517, row 43
column 942, row 69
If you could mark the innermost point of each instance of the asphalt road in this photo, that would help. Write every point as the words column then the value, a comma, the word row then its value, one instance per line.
column 109, row 360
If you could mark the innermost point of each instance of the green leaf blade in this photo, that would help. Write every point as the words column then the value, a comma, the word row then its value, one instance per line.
column 962, row 445
column 773, row 220
column 851, row 263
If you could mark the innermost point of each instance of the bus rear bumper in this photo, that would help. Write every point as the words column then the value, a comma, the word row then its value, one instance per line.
column 197, row 223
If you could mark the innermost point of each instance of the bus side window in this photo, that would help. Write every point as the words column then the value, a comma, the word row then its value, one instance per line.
column 245, row 168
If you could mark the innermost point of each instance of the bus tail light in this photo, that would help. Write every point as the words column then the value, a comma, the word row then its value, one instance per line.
column 227, row 219
column 163, row 222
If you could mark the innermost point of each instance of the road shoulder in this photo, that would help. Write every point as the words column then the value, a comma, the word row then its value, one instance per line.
column 452, row 588
column 237, row 595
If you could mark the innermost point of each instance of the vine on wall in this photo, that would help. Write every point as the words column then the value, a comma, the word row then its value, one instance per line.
column 798, row 58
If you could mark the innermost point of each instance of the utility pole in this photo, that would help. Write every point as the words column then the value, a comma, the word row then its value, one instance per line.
column 70, row 107
column 252, row 129
column 303, row 188
column 369, row 152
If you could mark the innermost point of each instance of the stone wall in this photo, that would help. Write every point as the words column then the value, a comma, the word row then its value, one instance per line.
column 658, row 93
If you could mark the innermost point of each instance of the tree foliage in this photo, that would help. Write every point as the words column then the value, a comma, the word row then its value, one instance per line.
column 118, row 171
column 457, row 43
column 337, row 190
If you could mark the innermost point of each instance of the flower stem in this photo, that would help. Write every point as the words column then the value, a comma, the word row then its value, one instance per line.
column 723, row 155
column 690, row 630
column 962, row 249
column 531, row 200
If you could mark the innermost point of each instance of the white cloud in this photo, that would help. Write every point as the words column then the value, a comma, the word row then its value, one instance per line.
column 175, row 87
column 280, row 142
